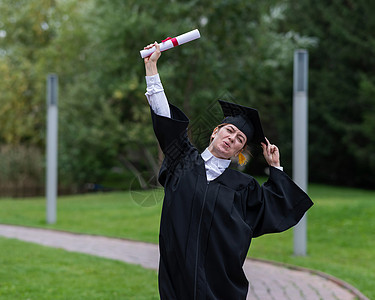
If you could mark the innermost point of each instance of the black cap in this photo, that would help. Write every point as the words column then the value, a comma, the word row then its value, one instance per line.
column 245, row 119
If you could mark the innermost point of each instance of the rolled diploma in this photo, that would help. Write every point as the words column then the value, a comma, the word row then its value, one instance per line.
column 181, row 39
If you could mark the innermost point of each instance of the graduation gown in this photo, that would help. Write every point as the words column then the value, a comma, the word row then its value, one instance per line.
column 206, row 227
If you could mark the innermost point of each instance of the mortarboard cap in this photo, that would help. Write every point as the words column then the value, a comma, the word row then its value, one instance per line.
column 245, row 119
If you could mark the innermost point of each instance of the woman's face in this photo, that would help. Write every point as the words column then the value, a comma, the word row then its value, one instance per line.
column 227, row 141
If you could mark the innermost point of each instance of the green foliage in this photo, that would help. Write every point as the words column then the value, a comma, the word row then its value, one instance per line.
column 341, row 88
column 21, row 169
column 245, row 55
column 93, row 46
column 244, row 59
column 25, row 34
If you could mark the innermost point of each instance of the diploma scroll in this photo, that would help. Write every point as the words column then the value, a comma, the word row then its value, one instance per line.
column 173, row 42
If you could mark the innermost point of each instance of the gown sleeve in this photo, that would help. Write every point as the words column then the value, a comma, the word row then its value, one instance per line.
column 169, row 130
column 282, row 204
column 171, row 134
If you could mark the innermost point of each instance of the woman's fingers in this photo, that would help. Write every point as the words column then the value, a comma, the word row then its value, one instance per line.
column 149, row 46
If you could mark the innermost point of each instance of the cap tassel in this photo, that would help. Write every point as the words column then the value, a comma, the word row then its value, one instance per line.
column 242, row 159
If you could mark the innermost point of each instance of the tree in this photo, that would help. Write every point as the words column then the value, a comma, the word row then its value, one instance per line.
column 25, row 32
column 93, row 45
column 244, row 58
column 341, row 88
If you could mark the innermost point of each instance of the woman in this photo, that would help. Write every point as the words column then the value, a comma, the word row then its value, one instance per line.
column 211, row 212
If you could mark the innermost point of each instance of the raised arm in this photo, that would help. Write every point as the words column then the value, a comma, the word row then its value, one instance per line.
column 170, row 124
column 155, row 91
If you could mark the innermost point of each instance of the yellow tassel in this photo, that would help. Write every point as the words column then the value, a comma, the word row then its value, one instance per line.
column 242, row 159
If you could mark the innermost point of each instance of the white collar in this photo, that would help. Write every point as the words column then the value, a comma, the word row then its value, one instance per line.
column 219, row 162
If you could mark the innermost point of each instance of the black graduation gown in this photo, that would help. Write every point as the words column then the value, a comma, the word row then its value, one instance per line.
column 206, row 227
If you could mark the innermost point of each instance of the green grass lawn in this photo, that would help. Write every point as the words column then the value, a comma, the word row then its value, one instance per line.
column 29, row 271
column 341, row 227
column 110, row 214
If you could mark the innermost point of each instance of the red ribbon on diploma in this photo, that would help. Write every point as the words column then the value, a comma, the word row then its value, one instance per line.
column 174, row 41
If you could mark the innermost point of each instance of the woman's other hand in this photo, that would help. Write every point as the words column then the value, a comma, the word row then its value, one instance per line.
column 271, row 154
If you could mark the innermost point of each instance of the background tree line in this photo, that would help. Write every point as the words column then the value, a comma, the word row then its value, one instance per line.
column 245, row 55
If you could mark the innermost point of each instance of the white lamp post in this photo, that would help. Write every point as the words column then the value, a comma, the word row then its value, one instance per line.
column 52, row 123
column 300, row 137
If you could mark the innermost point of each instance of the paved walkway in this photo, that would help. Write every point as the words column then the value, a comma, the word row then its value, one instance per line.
column 267, row 280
